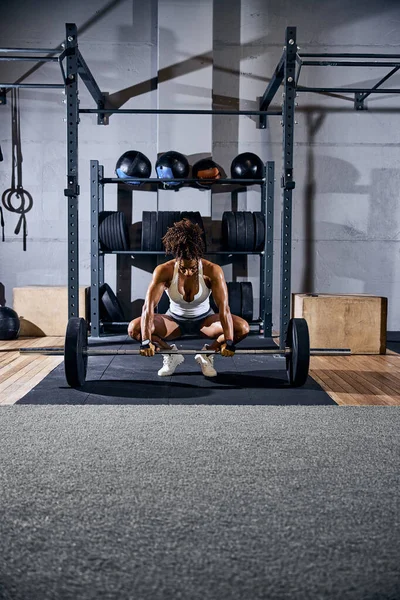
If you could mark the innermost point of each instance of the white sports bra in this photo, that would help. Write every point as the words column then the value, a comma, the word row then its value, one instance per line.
column 200, row 304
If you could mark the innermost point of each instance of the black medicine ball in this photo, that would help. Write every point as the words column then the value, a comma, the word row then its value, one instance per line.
column 172, row 164
column 133, row 164
column 9, row 323
column 247, row 166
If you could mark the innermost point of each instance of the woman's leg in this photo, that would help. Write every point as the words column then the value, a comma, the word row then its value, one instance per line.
column 164, row 328
column 212, row 328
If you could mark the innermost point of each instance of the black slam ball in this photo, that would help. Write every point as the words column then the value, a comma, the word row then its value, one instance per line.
column 247, row 166
column 9, row 323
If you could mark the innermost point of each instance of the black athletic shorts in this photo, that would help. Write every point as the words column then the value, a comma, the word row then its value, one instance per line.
column 189, row 326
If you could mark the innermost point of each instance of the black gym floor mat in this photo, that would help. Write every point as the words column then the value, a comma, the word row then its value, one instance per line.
column 393, row 341
column 241, row 380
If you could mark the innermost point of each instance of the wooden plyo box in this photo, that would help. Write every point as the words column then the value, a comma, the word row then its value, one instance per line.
column 350, row 321
column 43, row 310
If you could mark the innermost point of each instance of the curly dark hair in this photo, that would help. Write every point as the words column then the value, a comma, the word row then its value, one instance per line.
column 184, row 240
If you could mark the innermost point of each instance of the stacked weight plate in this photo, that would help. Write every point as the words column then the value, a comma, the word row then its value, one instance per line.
column 110, row 308
column 155, row 225
column 113, row 231
column 240, row 299
column 165, row 220
column 243, row 231
column 149, row 230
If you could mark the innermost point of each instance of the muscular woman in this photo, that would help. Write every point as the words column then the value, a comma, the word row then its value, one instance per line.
column 188, row 280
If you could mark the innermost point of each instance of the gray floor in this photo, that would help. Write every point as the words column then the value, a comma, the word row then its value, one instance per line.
column 199, row 502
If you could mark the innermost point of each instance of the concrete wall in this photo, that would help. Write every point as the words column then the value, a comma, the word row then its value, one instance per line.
column 212, row 53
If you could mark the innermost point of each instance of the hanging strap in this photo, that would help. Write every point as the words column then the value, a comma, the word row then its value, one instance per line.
column 16, row 189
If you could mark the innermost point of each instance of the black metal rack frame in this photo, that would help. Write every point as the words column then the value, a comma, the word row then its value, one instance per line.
column 266, row 255
column 287, row 73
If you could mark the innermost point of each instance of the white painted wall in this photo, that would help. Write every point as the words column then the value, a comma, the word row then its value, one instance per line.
column 211, row 53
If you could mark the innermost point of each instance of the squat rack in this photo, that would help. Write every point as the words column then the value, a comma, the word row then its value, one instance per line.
column 287, row 72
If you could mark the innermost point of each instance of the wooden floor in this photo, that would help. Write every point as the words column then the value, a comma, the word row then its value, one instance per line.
column 349, row 380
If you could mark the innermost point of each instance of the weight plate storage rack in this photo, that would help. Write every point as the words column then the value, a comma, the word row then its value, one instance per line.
column 266, row 184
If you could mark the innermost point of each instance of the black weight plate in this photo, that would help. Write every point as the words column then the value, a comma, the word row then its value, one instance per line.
column 249, row 229
column 122, row 233
column 163, row 304
column 235, row 298
column 165, row 222
column 247, row 300
column 104, row 230
column 240, row 231
column 159, row 230
column 75, row 361
column 298, row 362
column 172, row 218
column 146, row 230
column 153, row 234
column 113, row 230
column 229, row 230
column 112, row 307
column 259, row 227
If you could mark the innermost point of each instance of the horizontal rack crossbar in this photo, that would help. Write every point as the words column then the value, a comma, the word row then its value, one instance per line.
column 349, row 90
column 32, row 85
column 345, row 63
column 40, row 50
column 170, row 111
column 34, row 58
column 131, row 180
column 348, row 55
column 160, row 252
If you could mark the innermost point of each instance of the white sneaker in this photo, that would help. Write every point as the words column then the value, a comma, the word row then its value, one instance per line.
column 206, row 362
column 170, row 362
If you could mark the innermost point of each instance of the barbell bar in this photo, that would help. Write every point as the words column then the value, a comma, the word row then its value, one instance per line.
column 76, row 352
column 58, row 351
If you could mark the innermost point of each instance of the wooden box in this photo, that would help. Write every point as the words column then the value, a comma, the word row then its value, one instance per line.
column 43, row 310
column 355, row 321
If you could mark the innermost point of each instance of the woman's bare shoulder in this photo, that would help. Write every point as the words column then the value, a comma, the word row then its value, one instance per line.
column 164, row 272
column 211, row 269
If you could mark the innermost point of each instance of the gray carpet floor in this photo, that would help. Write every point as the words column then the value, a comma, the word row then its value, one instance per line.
column 199, row 502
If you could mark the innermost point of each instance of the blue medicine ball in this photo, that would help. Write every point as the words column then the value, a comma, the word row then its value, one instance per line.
column 172, row 165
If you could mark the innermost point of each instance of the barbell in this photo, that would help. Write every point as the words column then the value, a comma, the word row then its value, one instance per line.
column 76, row 352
